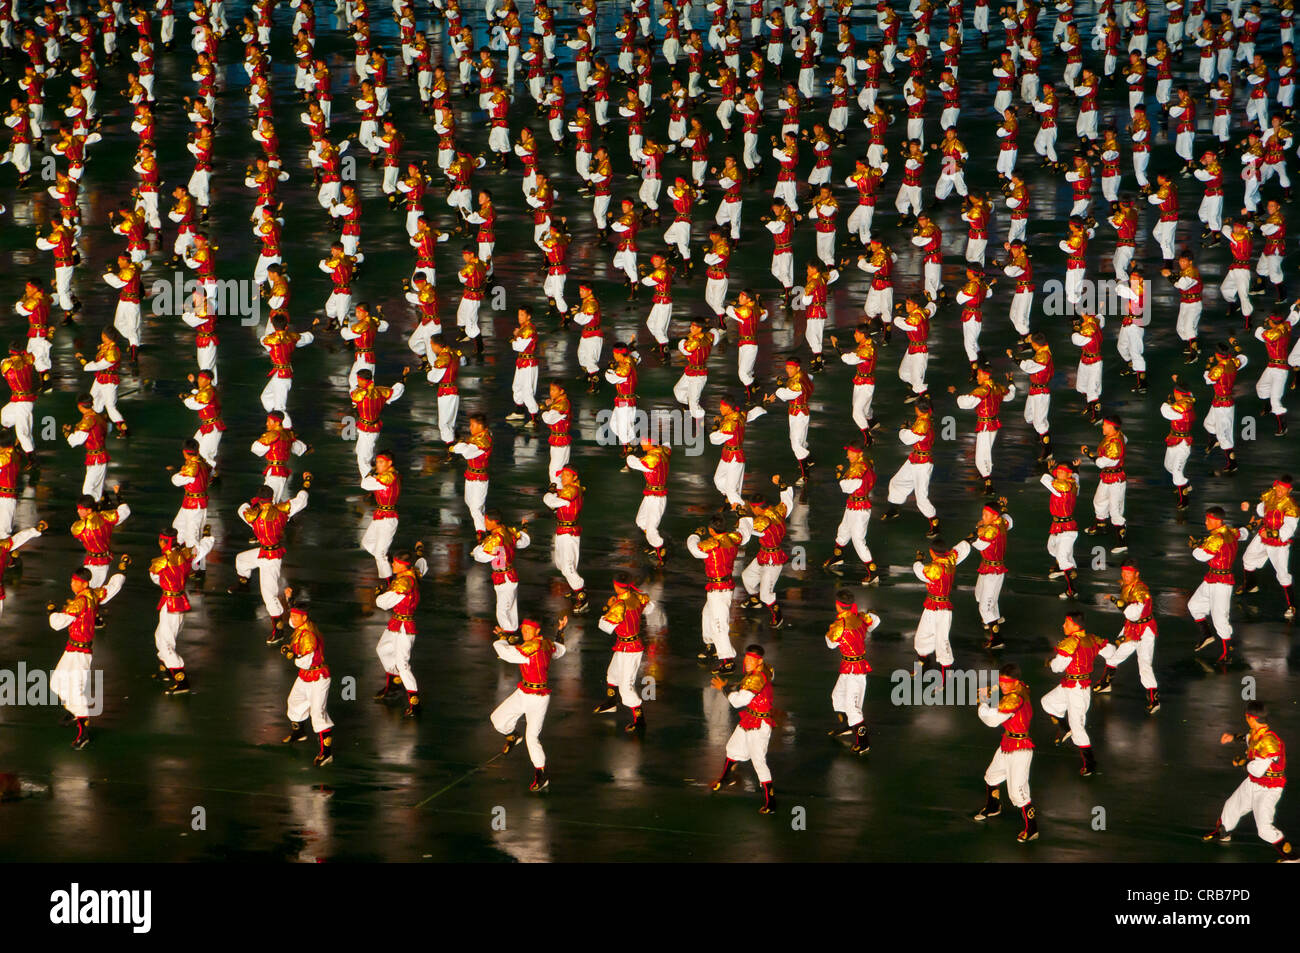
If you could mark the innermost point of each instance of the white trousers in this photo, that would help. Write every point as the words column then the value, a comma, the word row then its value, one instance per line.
column 70, row 681
column 1214, row 600
column 1221, row 421
column 848, row 695
column 1013, row 768
column 1258, row 552
column 988, row 588
column 376, row 540
column 799, row 435
column 18, row 415
column 476, row 501
column 309, row 698
column 1271, row 386
column 729, row 478
column 1108, row 502
column 913, row 478
column 507, row 599
column 394, row 651
column 1175, row 460
column 164, row 638
column 715, row 622
column 687, row 392
column 622, row 671
column 862, row 396
column 752, row 746
column 911, row 371
column 268, row 579
column 761, row 579
column 853, row 528
column 1060, row 546
column 932, row 635
column 448, row 408
column 746, row 356
column 1144, row 648
column 1072, row 704
column 1130, row 343
column 648, row 515
column 567, row 549
column 1252, row 798
column 188, row 524
column 532, row 708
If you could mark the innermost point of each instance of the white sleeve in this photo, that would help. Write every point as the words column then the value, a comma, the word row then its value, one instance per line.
column 991, row 716
column 508, row 653
column 113, row 586
column 298, row 503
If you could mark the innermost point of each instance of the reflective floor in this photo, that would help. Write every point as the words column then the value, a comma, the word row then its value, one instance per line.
column 204, row 777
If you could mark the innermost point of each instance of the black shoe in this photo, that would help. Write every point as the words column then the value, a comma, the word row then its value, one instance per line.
column 1030, row 831
column 992, row 804
column 296, row 733
column 836, row 558
column 326, row 754
column 725, row 778
column 610, row 704
column 180, row 684
column 769, row 798
column 861, row 741
column 388, row 688
column 1063, row 733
